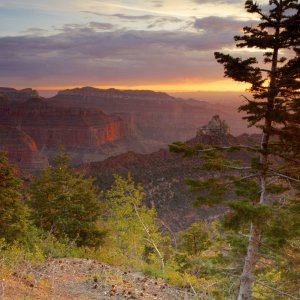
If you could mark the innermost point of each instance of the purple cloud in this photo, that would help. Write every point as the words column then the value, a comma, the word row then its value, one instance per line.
column 83, row 55
column 214, row 23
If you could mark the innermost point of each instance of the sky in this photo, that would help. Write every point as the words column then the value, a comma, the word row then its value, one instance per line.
column 164, row 45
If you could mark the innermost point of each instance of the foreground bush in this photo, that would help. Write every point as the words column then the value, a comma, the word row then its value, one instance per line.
column 66, row 204
column 14, row 222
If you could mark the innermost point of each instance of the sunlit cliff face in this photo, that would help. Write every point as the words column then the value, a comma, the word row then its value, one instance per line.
column 163, row 45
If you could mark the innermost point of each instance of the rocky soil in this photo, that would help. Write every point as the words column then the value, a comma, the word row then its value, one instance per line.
column 72, row 278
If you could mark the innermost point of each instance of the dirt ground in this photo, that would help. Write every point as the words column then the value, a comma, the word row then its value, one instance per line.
column 84, row 279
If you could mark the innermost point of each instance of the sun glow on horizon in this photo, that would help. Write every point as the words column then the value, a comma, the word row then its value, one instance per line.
column 224, row 85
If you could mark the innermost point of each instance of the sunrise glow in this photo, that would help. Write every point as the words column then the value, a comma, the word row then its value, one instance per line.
column 160, row 45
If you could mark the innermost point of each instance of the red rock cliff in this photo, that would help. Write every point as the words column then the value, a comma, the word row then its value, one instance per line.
column 21, row 149
column 156, row 116
column 46, row 127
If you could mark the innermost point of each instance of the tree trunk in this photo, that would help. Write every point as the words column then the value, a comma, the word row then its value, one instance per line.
column 247, row 277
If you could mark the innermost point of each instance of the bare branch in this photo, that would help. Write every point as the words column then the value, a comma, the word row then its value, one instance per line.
column 277, row 291
column 149, row 235
column 171, row 232
column 245, row 98
column 213, row 149
column 238, row 168
column 192, row 288
column 228, row 148
column 285, row 176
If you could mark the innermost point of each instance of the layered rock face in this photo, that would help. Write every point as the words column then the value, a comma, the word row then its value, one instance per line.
column 33, row 130
column 94, row 124
column 156, row 116
column 21, row 149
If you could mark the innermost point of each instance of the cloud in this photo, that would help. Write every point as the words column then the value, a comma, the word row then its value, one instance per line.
column 147, row 17
column 134, row 18
column 102, row 26
column 91, row 26
column 157, row 3
column 35, row 31
column 160, row 22
column 84, row 55
column 123, row 16
column 214, row 23
column 218, row 1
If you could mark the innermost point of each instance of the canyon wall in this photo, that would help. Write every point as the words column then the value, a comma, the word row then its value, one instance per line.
column 33, row 130
column 94, row 124
column 157, row 116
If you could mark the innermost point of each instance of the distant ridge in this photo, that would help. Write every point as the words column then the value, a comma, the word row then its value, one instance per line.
column 18, row 95
column 94, row 124
column 112, row 92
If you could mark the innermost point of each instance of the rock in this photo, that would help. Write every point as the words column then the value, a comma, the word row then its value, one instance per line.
column 21, row 148
column 215, row 132
column 94, row 124
column 153, row 116
column 33, row 130
column 18, row 95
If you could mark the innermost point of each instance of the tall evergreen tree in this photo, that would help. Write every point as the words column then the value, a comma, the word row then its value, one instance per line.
column 66, row 204
column 274, row 108
column 13, row 212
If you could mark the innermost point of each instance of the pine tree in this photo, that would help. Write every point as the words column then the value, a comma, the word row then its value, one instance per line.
column 13, row 212
column 274, row 108
column 66, row 204
column 195, row 239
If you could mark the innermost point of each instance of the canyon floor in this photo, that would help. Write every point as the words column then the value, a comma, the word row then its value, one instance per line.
column 82, row 279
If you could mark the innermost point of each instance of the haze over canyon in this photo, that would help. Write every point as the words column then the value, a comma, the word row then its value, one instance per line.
column 94, row 124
